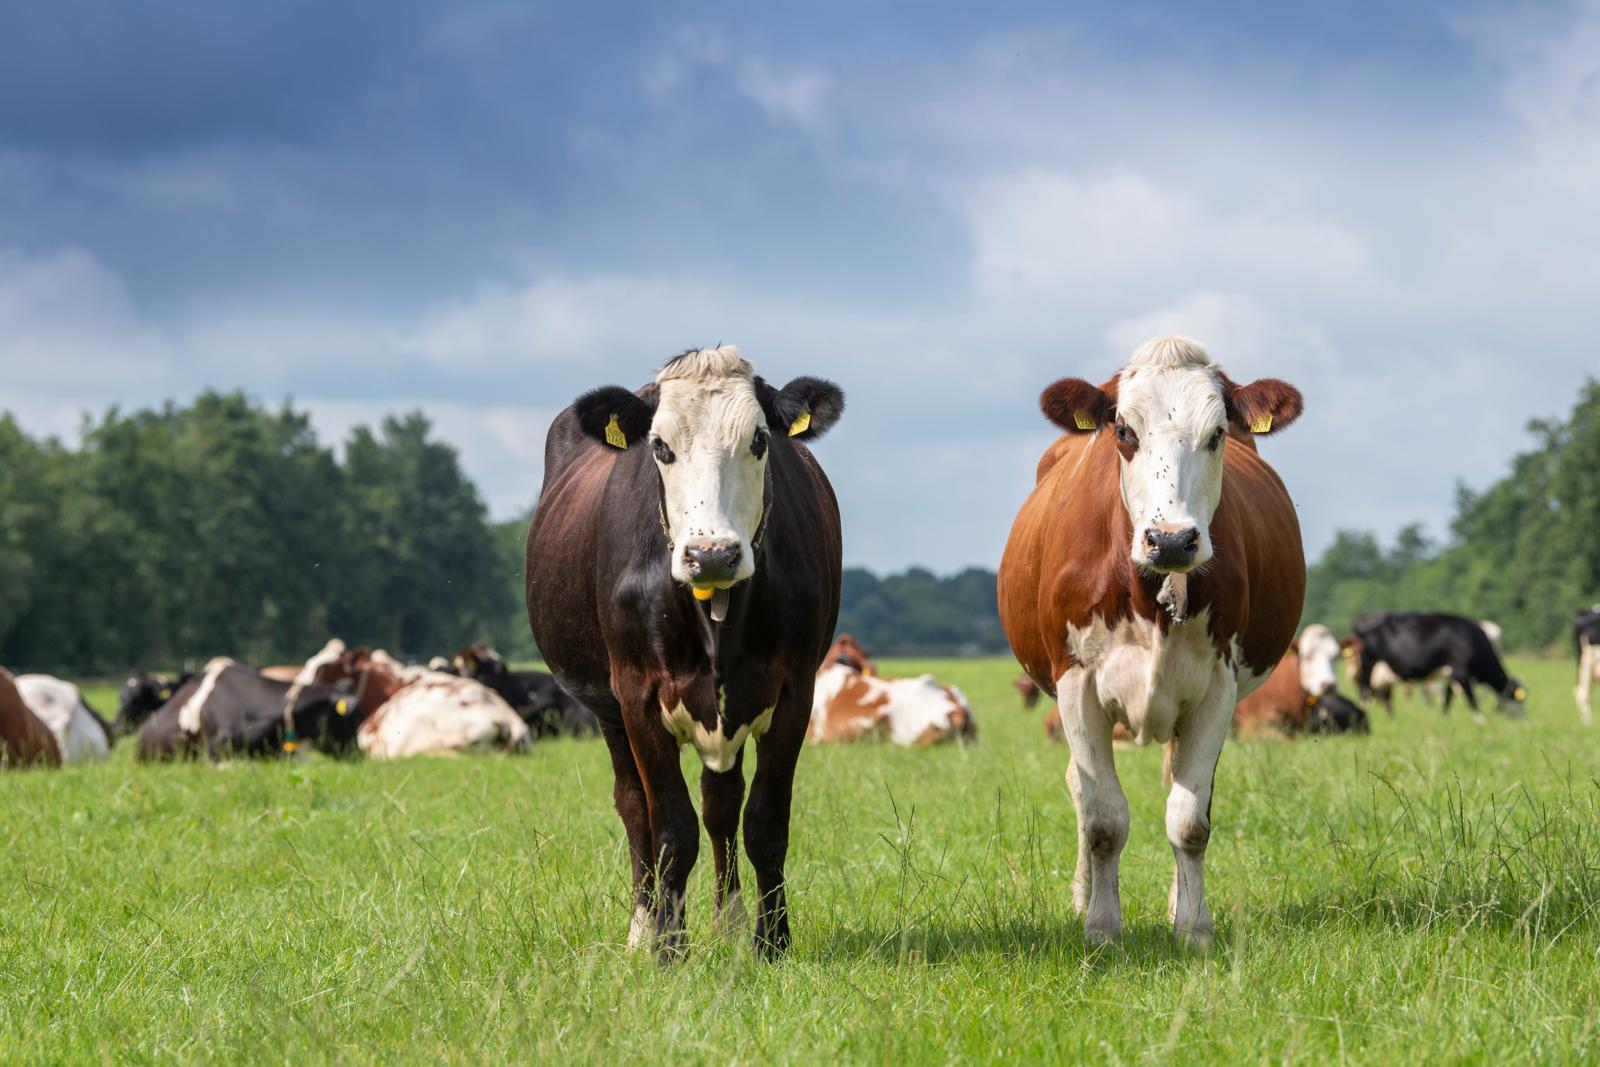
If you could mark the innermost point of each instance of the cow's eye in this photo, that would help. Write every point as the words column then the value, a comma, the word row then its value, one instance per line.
column 758, row 443
column 1126, row 435
column 1216, row 438
column 663, row 451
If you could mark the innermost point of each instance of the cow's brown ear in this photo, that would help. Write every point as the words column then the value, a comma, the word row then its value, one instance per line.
column 614, row 416
column 1076, row 406
column 1265, row 406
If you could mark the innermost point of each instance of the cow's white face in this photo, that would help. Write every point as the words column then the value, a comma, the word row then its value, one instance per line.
column 1318, row 651
column 1171, row 410
column 709, row 437
column 1171, row 425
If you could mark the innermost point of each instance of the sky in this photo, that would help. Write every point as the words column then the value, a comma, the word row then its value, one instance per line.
column 482, row 210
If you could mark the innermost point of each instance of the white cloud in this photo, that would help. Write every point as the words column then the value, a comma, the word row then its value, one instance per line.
column 1039, row 229
column 65, row 318
column 788, row 94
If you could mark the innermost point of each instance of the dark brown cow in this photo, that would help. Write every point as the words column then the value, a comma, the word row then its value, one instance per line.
column 1154, row 576
column 25, row 741
column 683, row 572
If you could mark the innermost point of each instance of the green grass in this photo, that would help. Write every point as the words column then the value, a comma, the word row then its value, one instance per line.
column 1426, row 893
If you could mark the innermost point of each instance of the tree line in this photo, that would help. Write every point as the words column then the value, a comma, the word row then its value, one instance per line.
column 169, row 536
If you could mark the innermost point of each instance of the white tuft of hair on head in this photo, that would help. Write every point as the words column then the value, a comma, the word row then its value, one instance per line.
column 1172, row 352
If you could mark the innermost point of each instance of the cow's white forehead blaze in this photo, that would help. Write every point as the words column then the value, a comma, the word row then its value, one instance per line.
column 1170, row 395
column 713, row 489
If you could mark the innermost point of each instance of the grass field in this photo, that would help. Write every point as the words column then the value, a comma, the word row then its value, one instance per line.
column 1428, row 893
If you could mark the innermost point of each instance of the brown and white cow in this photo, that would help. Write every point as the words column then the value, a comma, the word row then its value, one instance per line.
column 683, row 573
column 1153, row 577
column 851, row 705
column 1282, row 704
column 82, row 736
column 25, row 741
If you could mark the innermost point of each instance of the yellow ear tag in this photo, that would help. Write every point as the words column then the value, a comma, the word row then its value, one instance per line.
column 614, row 435
column 702, row 594
column 801, row 423
column 1083, row 421
column 1262, row 423
column 343, row 707
column 1520, row 694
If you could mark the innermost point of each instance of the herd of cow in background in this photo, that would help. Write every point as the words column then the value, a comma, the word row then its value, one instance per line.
column 347, row 701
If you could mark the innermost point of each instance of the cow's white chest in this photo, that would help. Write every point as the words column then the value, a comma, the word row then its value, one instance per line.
column 1147, row 680
column 717, row 749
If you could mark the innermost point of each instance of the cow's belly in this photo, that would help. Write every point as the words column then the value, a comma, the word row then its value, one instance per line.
column 1149, row 681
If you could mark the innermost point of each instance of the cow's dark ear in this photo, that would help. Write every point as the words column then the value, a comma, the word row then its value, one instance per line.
column 1263, row 407
column 1077, row 406
column 805, row 409
column 612, row 415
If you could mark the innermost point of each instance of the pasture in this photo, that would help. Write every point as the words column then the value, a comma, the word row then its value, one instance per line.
column 1433, row 887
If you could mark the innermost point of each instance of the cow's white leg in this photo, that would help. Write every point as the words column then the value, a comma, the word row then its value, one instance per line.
column 1102, row 809
column 1588, row 662
column 1195, row 750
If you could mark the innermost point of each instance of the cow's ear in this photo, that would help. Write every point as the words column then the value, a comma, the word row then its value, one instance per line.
column 614, row 416
column 1077, row 406
column 804, row 409
column 1265, row 406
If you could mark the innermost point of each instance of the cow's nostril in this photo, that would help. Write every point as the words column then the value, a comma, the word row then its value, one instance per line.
column 1192, row 542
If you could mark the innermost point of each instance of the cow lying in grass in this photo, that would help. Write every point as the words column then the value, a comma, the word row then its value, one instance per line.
column 849, row 705
column 1301, row 694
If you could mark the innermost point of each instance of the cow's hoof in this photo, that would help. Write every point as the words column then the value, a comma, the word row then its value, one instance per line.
column 1196, row 939
column 1100, row 934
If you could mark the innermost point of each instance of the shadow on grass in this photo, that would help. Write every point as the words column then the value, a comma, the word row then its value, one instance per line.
column 1046, row 940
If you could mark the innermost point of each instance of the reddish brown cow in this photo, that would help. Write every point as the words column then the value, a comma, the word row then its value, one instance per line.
column 25, row 741
column 1153, row 577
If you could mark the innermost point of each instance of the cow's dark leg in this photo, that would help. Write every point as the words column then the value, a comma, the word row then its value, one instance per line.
column 766, row 816
column 721, row 796
column 634, row 810
column 674, row 830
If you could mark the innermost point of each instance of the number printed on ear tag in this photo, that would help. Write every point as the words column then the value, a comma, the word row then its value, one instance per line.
column 1084, row 422
column 614, row 435
column 1261, row 423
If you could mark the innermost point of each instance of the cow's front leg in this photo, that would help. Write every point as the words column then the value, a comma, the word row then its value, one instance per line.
column 721, row 796
column 1588, row 664
column 634, row 809
column 674, row 830
column 1193, row 759
column 766, row 816
column 1102, row 809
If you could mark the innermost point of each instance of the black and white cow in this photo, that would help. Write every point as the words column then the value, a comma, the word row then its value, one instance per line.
column 1586, row 636
column 141, row 697
column 683, row 571
column 546, row 708
column 231, row 710
column 1416, row 646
